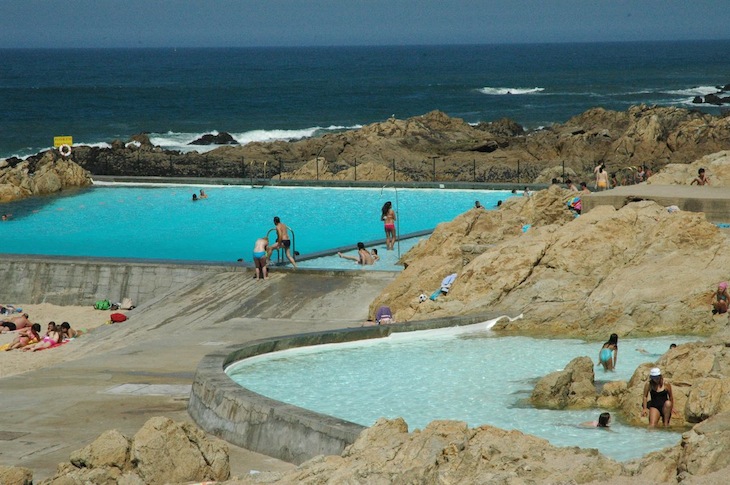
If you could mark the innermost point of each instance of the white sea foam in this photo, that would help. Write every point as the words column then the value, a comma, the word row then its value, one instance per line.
column 695, row 91
column 505, row 91
column 181, row 141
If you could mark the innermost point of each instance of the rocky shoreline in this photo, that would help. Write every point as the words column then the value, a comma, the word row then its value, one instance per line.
column 431, row 147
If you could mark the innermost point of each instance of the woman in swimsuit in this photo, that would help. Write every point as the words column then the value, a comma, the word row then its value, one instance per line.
column 722, row 296
column 388, row 218
column 51, row 338
column 658, row 399
column 609, row 353
column 26, row 336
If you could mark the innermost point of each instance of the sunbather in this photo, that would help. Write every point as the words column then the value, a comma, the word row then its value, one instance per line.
column 51, row 338
column 26, row 336
column 15, row 323
column 68, row 332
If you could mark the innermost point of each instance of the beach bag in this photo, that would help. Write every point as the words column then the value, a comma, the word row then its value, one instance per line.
column 102, row 305
column 126, row 304
column 118, row 317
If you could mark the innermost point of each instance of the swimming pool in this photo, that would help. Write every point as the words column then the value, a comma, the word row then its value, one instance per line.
column 161, row 221
column 441, row 374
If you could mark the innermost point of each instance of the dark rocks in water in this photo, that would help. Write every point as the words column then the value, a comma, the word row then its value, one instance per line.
column 713, row 99
column 698, row 100
column 219, row 139
column 724, row 88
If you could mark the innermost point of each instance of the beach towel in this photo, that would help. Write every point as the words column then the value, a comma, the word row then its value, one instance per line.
column 445, row 287
column 447, row 282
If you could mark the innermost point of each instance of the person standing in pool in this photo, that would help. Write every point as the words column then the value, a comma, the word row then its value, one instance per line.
column 282, row 241
column 609, row 353
column 388, row 218
column 259, row 257
column 658, row 399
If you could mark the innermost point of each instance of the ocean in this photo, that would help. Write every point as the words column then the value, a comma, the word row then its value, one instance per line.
column 262, row 94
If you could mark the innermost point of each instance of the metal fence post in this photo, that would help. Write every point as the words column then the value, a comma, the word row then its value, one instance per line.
column 475, row 169
column 280, row 169
column 434, row 169
column 518, row 171
column 356, row 169
column 394, row 170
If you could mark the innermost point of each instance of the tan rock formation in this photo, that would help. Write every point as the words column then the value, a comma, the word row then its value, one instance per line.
column 572, row 387
column 162, row 451
column 632, row 271
column 449, row 452
column 716, row 165
column 437, row 147
column 50, row 174
column 15, row 475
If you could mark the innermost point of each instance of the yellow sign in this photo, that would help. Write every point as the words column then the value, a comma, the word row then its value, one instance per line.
column 62, row 140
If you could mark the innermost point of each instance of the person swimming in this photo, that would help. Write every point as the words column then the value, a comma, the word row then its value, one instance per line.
column 604, row 420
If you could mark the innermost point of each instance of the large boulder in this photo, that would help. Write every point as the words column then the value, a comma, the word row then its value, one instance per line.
column 571, row 387
column 48, row 174
column 15, row 475
column 162, row 451
column 449, row 452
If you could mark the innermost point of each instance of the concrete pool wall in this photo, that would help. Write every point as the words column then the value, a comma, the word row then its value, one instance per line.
column 242, row 417
column 79, row 281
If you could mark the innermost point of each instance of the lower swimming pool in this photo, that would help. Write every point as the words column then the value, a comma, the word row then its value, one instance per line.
column 479, row 378
column 162, row 222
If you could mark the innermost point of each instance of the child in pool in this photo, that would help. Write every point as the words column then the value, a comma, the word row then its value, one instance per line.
column 603, row 422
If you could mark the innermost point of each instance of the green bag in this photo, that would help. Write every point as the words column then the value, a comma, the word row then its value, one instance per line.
column 102, row 305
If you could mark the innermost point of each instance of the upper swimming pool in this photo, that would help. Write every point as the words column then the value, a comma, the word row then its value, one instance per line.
column 161, row 221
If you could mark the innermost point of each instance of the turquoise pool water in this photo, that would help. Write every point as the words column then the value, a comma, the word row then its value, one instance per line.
column 161, row 222
column 442, row 374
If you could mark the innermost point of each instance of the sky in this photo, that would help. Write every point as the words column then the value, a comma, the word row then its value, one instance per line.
column 246, row 23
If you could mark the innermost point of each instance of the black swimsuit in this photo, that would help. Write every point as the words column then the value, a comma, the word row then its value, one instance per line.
column 658, row 398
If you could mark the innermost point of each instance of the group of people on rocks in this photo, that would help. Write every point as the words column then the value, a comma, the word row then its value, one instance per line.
column 28, row 335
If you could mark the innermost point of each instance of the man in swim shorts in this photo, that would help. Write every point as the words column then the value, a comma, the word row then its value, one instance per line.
column 282, row 241
column 259, row 257
column 15, row 323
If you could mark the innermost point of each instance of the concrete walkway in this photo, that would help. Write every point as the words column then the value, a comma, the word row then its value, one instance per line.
column 126, row 373
column 713, row 201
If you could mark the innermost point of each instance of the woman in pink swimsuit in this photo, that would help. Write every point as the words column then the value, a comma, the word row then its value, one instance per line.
column 388, row 218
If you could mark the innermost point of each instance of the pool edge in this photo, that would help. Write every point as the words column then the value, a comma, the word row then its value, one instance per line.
column 244, row 418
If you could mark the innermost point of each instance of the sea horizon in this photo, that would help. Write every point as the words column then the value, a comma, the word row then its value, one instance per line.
column 177, row 94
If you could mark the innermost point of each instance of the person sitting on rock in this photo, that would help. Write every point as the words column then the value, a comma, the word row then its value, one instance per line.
column 661, row 404
column 720, row 299
column 701, row 178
